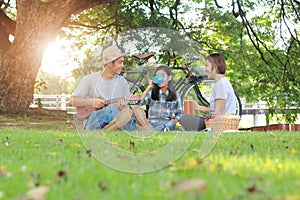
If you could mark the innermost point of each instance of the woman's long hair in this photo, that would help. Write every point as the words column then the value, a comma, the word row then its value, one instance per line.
column 172, row 93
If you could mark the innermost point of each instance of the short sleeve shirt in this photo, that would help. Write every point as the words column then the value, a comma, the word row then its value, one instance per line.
column 223, row 90
column 94, row 85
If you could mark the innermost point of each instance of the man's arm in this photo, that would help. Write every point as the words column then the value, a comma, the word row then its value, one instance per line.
column 79, row 102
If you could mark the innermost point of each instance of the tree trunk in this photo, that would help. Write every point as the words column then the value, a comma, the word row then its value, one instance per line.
column 18, row 73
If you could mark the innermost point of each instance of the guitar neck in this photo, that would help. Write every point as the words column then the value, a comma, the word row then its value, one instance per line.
column 85, row 111
column 110, row 101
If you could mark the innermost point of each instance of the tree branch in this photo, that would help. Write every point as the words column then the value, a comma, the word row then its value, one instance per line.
column 83, row 5
column 251, row 32
column 218, row 6
column 282, row 10
column 152, row 3
column 175, row 18
column 297, row 2
column 295, row 9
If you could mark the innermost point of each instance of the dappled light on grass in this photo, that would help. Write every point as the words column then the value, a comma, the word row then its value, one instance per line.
column 241, row 166
column 128, row 153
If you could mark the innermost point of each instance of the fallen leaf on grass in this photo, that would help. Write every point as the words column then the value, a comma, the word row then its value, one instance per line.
column 256, row 178
column 35, row 179
column 61, row 176
column 131, row 145
column 116, row 143
column 191, row 163
column 253, row 189
column 195, row 186
column 294, row 151
column 102, row 185
column 4, row 172
column 51, row 154
column 36, row 193
column 150, row 151
column 6, row 141
column 89, row 152
column 272, row 134
column 76, row 145
column 60, row 141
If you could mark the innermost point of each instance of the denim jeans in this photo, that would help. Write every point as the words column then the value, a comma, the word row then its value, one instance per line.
column 100, row 118
column 162, row 126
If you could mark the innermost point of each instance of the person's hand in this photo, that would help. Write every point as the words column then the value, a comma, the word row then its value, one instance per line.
column 196, row 106
column 98, row 103
column 121, row 104
column 175, row 120
column 203, row 109
column 150, row 84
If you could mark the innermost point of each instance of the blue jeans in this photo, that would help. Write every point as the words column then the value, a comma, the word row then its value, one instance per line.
column 161, row 126
column 100, row 118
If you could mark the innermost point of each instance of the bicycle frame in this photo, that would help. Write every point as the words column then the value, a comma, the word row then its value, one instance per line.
column 136, row 84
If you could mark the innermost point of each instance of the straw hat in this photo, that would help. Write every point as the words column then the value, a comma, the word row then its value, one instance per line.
column 111, row 53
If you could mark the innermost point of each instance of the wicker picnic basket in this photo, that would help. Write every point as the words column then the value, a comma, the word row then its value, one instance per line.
column 223, row 123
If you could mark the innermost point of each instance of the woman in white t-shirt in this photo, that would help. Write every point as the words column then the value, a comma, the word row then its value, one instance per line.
column 222, row 99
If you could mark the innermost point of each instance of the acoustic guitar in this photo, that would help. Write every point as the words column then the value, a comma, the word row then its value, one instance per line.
column 85, row 111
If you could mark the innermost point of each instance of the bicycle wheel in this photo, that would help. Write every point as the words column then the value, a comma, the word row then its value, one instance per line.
column 201, row 93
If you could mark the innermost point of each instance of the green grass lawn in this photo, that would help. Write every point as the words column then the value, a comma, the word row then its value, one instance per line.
column 242, row 165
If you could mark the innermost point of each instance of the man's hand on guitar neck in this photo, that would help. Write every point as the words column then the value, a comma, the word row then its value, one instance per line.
column 98, row 103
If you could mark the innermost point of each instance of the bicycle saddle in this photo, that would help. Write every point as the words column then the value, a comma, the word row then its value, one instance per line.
column 143, row 56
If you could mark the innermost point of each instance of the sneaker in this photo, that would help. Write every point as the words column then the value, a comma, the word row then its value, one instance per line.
column 120, row 120
column 140, row 116
column 166, row 129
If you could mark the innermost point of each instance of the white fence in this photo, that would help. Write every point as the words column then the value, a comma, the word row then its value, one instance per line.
column 52, row 102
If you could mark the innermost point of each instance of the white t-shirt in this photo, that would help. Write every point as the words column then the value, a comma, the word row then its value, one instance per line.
column 94, row 85
column 223, row 90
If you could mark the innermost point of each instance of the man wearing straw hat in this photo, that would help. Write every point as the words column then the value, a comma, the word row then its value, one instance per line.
column 91, row 94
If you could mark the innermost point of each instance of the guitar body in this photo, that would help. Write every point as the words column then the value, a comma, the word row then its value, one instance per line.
column 85, row 111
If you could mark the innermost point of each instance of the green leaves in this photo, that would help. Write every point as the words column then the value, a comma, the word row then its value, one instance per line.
column 259, row 39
